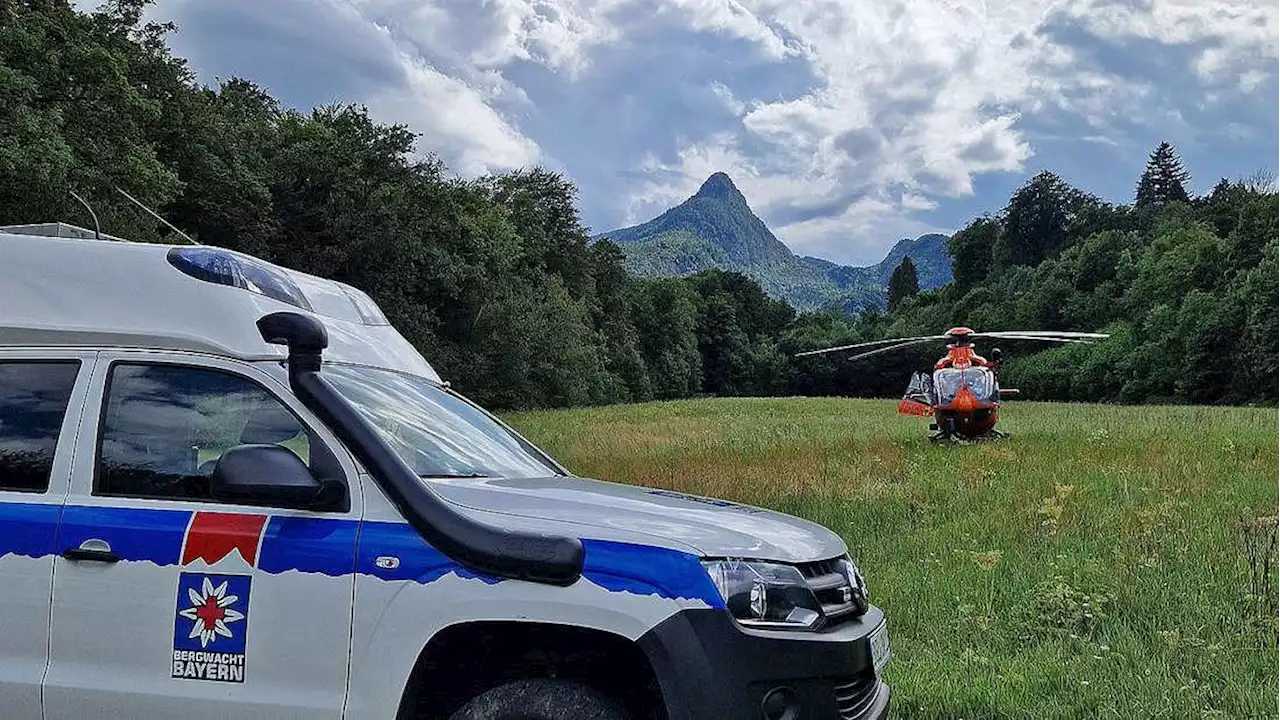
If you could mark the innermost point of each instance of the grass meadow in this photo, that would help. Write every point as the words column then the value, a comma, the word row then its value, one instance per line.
column 1103, row 562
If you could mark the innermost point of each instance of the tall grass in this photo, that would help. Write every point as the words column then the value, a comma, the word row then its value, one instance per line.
column 1096, row 564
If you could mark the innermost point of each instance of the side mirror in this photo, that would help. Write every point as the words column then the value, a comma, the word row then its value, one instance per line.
column 272, row 475
column 996, row 354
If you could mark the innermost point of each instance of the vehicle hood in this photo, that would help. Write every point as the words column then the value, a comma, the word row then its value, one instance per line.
column 592, row 509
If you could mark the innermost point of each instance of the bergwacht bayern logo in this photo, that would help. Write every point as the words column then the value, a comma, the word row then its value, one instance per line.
column 211, row 619
column 210, row 627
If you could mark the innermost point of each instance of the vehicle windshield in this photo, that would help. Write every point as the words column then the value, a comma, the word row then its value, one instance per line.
column 947, row 382
column 437, row 432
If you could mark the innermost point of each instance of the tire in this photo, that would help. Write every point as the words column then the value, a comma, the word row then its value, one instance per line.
column 541, row 699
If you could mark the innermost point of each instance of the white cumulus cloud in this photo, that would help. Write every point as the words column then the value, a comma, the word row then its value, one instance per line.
column 917, row 98
column 453, row 115
column 843, row 121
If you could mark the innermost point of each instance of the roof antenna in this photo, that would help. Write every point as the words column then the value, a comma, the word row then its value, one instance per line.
column 97, row 230
column 156, row 215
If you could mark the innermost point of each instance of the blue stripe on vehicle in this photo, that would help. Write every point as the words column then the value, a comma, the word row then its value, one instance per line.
column 28, row 529
column 419, row 560
column 648, row 570
column 617, row 567
column 132, row 533
column 329, row 546
column 312, row 545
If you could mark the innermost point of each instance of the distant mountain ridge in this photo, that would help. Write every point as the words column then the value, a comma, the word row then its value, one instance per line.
column 716, row 228
column 928, row 252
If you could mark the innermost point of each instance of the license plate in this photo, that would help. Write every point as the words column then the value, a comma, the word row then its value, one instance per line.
column 880, row 652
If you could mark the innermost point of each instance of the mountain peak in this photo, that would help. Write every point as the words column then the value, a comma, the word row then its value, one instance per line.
column 719, row 186
column 715, row 228
column 719, row 221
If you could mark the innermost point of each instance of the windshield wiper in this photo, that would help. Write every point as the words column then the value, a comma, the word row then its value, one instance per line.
column 446, row 476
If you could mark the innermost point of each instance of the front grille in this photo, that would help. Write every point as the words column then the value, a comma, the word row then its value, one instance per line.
column 856, row 695
column 830, row 586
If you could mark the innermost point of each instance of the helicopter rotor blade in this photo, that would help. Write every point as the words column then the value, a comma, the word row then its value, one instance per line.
column 870, row 343
column 1045, row 335
column 899, row 346
column 1042, row 333
column 1047, row 338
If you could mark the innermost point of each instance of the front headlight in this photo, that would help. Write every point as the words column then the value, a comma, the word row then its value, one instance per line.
column 765, row 594
column 850, row 571
column 857, row 583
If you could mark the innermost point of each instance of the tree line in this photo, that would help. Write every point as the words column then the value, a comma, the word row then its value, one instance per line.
column 495, row 279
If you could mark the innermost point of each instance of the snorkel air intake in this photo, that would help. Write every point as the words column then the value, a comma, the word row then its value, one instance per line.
column 550, row 559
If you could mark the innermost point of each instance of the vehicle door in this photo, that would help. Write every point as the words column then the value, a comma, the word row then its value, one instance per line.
column 41, row 396
column 167, row 602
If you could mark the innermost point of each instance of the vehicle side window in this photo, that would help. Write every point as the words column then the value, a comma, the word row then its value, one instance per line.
column 164, row 427
column 33, row 401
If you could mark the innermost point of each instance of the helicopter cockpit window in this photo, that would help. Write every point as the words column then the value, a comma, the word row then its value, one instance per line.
column 948, row 381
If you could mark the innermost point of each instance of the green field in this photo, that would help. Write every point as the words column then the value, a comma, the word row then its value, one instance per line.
column 1094, row 565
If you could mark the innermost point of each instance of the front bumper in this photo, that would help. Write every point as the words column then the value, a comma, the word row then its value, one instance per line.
column 711, row 667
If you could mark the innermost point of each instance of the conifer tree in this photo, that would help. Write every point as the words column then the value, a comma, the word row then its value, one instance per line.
column 1164, row 179
column 903, row 283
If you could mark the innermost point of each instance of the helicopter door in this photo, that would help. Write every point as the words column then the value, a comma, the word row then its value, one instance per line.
column 918, row 400
column 920, row 389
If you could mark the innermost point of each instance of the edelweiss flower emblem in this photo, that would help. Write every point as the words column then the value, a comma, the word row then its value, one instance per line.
column 211, row 612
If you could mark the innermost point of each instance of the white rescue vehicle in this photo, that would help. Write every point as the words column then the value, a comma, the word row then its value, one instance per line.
column 232, row 490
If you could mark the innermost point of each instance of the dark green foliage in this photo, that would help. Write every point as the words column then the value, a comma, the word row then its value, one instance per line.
column 1036, row 220
column 971, row 249
column 1176, row 262
column 716, row 229
column 1209, row 330
column 736, row 321
column 1253, row 297
column 614, row 307
column 1246, row 243
column 666, row 317
column 82, row 99
column 903, row 283
column 1164, row 179
column 1224, row 205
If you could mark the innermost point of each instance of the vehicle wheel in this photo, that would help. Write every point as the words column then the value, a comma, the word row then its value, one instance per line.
column 541, row 699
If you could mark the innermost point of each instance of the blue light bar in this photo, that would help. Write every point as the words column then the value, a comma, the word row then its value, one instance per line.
column 369, row 311
column 223, row 268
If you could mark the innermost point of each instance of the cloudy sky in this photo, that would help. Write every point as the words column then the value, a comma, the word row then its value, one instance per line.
column 848, row 124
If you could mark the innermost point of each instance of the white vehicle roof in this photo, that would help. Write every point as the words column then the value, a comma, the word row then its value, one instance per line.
column 73, row 292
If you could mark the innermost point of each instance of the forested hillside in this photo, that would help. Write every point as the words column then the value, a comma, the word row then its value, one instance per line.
column 495, row 280
column 1187, row 286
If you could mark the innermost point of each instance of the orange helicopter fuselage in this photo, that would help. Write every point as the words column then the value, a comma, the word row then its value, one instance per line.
column 965, row 414
column 961, row 356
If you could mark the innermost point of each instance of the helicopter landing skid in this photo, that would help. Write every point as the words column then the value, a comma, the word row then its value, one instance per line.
column 942, row 438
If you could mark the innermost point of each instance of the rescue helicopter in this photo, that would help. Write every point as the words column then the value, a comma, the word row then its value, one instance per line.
column 963, row 392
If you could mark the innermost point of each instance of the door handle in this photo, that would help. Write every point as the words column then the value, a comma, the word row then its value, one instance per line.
column 92, row 551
